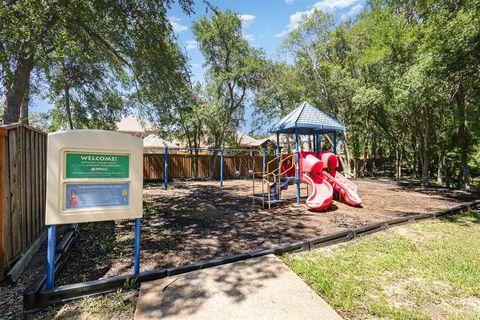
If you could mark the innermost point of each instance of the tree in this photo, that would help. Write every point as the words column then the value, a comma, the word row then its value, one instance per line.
column 402, row 76
column 132, row 36
column 82, row 90
column 278, row 91
column 233, row 69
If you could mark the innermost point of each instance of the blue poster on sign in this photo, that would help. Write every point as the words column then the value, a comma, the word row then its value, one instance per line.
column 96, row 195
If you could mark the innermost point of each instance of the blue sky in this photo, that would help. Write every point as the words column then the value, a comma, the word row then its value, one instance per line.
column 265, row 25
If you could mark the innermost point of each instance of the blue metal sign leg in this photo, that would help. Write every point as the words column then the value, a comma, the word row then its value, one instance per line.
column 136, row 248
column 51, row 248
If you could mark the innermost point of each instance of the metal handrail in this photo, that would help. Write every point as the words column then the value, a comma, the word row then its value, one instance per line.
column 267, row 176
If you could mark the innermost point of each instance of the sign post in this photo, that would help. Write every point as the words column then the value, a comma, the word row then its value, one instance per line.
column 92, row 175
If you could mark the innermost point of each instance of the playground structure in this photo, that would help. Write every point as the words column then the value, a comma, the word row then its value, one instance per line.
column 317, row 169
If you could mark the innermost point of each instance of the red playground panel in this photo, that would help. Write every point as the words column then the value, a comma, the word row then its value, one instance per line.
column 323, row 170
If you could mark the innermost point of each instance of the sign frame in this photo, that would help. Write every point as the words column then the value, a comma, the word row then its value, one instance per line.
column 94, row 142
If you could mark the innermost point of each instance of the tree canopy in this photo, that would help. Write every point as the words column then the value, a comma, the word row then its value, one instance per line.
column 403, row 76
column 81, row 46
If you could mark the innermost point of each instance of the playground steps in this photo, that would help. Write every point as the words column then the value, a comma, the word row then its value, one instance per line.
column 272, row 202
column 273, row 198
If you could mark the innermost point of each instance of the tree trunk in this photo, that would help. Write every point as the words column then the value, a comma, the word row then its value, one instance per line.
column 398, row 163
column 195, row 164
column 414, row 162
column 441, row 165
column 14, row 89
column 426, row 154
column 25, row 104
column 196, row 145
column 213, row 157
column 66, row 97
column 463, row 136
column 347, row 153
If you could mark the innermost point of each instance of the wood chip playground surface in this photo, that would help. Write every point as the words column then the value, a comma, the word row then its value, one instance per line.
column 193, row 221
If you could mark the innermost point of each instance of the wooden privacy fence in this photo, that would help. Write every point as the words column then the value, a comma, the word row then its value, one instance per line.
column 181, row 165
column 23, row 152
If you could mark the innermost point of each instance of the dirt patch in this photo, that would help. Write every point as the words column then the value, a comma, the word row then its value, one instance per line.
column 194, row 221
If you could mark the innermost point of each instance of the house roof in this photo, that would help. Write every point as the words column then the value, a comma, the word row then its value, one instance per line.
column 132, row 124
column 246, row 140
column 307, row 119
column 154, row 141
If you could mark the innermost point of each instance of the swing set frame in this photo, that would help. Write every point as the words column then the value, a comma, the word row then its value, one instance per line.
column 222, row 151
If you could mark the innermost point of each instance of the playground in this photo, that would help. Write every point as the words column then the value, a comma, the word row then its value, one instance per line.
column 194, row 221
column 298, row 194
column 258, row 200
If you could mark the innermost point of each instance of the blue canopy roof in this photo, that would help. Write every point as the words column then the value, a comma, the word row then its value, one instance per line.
column 307, row 119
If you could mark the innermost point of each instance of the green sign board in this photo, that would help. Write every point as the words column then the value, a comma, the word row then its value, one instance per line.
column 93, row 166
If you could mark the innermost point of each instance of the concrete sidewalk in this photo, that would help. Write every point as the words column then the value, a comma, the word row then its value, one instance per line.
column 260, row 288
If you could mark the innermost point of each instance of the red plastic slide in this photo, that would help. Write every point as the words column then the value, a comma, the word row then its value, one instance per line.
column 346, row 188
column 322, row 192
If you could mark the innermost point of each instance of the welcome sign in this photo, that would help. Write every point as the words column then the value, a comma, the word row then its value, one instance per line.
column 84, row 165
column 93, row 175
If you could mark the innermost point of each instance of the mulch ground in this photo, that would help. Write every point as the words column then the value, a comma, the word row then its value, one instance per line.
column 194, row 221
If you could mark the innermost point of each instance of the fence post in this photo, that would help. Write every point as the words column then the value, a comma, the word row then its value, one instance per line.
column 165, row 165
column 3, row 134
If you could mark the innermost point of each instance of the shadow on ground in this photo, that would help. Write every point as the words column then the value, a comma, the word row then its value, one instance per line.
column 184, row 295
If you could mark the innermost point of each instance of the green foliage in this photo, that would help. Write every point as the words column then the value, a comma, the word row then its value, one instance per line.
column 403, row 77
column 233, row 69
column 91, row 53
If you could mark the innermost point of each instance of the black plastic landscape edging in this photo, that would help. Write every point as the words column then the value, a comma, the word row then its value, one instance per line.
column 62, row 253
column 37, row 298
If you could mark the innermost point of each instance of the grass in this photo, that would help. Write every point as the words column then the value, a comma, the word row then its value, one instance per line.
column 427, row 270
column 118, row 305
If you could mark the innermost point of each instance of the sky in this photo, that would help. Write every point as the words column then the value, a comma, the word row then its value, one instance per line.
column 265, row 24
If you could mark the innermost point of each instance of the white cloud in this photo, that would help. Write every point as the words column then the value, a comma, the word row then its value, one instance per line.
column 249, row 37
column 290, row 1
column 294, row 22
column 192, row 44
column 281, row 34
column 356, row 9
column 176, row 25
column 331, row 5
column 247, row 20
column 324, row 5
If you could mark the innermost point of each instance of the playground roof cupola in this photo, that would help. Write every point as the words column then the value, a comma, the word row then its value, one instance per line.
column 307, row 119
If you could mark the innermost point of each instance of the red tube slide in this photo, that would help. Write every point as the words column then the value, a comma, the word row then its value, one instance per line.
column 346, row 188
column 322, row 192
